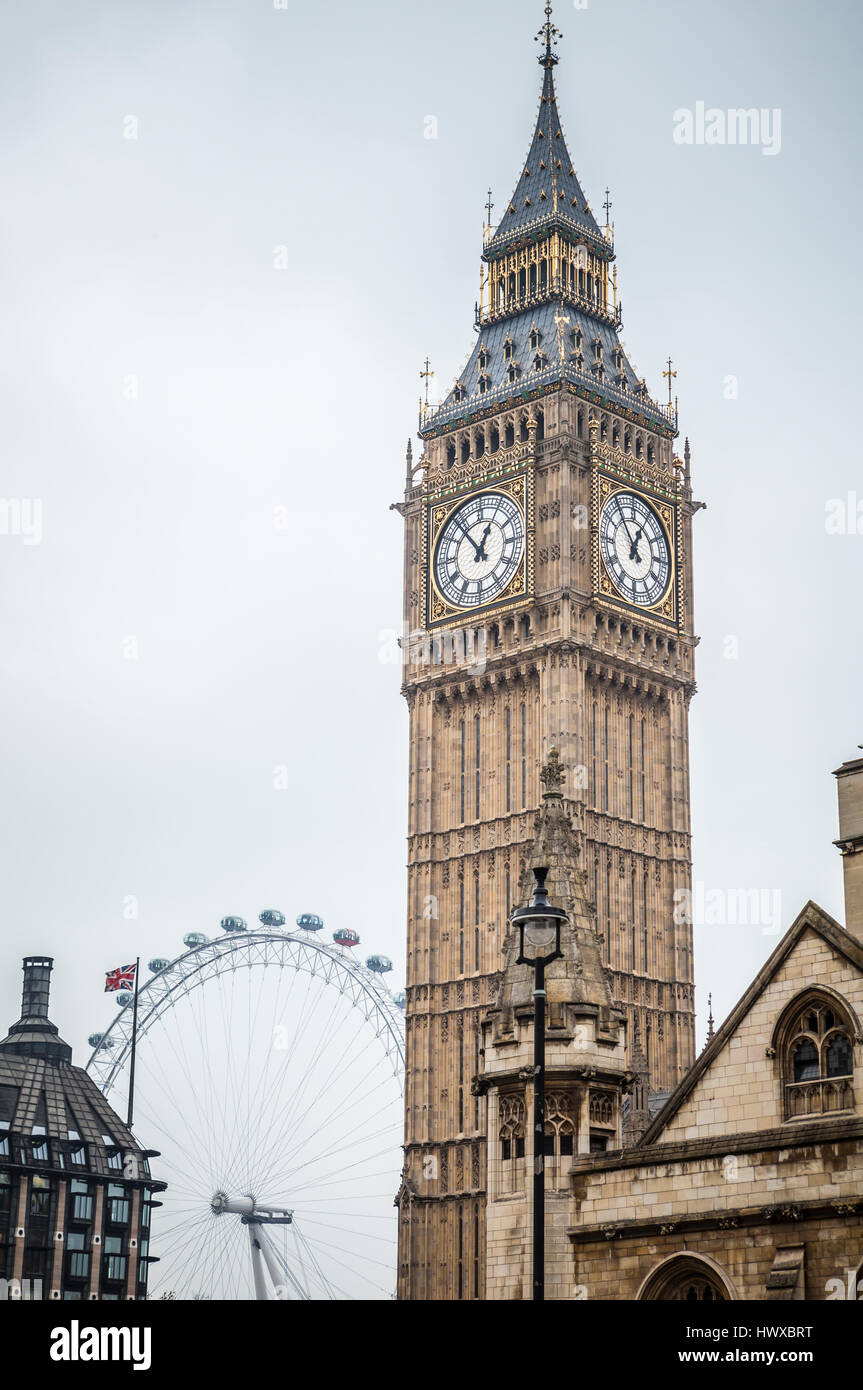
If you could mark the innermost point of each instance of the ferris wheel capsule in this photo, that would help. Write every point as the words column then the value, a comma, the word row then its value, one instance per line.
column 123, row 997
column 95, row 1039
column 310, row 921
column 400, row 999
column 380, row 964
column 271, row 917
column 195, row 938
column 346, row 937
column 234, row 924
column 158, row 964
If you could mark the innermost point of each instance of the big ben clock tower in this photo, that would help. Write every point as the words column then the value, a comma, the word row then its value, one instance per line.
column 548, row 602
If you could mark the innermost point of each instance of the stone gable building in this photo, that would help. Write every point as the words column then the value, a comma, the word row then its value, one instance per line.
column 749, row 1182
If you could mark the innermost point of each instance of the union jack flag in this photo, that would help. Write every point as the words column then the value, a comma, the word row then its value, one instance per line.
column 121, row 978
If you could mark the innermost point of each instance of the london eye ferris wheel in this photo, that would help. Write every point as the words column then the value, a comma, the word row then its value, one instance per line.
column 269, row 1076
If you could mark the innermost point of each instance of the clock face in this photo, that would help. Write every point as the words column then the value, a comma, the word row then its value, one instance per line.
column 479, row 550
column 635, row 549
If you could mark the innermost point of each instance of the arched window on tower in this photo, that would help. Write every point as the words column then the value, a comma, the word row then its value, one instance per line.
column 814, row 1045
column 511, row 1117
column 558, row 1138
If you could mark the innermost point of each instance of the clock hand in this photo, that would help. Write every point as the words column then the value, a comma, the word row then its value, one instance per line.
column 625, row 522
column 466, row 536
column 481, row 555
column 634, row 553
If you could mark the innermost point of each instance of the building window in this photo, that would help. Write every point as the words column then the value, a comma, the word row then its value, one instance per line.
column 118, row 1211
column 508, row 757
column 476, row 730
column 685, row 1279
column 40, row 1198
column 817, row 1057
column 77, row 1257
column 462, row 734
column 511, row 1135
column 82, row 1202
column 115, row 1157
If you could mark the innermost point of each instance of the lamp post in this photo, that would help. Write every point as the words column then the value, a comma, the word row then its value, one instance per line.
column 538, row 933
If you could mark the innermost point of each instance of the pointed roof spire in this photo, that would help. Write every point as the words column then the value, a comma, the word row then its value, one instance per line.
column 548, row 189
column 578, row 978
column 709, row 1017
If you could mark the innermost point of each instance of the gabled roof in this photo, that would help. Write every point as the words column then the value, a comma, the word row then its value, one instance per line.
column 812, row 918
column 547, row 168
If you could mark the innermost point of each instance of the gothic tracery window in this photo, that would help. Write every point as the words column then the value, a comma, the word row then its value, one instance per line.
column 686, row 1279
column 817, row 1058
column 511, row 1134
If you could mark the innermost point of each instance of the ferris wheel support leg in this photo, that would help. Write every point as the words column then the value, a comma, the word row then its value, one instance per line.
column 277, row 1274
column 255, row 1234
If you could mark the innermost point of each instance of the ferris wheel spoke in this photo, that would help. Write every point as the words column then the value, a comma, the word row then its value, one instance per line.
column 333, row 1253
column 324, row 1182
column 302, row 1245
column 357, row 1136
column 279, row 1138
column 291, row 1120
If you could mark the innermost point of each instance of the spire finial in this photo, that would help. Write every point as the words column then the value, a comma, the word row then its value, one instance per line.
column 552, row 774
column 709, row 1017
column 550, row 33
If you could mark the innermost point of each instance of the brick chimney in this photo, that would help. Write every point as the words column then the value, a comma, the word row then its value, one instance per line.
column 849, row 778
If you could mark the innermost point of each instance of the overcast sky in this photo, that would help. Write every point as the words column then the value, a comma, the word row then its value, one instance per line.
column 227, row 247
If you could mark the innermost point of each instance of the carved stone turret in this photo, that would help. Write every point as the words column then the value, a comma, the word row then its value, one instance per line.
column 585, row 1070
column 577, row 985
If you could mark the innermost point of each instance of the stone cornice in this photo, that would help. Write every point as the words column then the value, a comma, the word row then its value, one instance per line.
column 792, row 1135
column 730, row 1218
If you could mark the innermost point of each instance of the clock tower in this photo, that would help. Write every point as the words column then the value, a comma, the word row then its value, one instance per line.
column 548, row 604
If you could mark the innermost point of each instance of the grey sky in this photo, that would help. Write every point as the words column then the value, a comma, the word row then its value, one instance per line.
column 148, row 265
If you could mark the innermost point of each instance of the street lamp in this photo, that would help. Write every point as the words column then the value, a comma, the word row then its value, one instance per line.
column 538, row 933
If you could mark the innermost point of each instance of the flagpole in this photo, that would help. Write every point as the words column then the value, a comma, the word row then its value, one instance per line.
column 134, row 1041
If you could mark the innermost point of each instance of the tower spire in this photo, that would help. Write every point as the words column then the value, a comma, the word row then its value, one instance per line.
column 551, row 34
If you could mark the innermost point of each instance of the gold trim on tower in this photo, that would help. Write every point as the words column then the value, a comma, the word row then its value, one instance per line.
column 667, row 610
column 519, row 591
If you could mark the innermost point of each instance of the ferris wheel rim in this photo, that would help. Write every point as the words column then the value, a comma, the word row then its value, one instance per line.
column 107, row 1068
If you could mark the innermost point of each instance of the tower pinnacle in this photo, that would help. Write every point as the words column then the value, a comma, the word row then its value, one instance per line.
column 551, row 34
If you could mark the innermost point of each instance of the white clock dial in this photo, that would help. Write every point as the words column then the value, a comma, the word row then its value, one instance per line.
column 635, row 549
column 479, row 550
